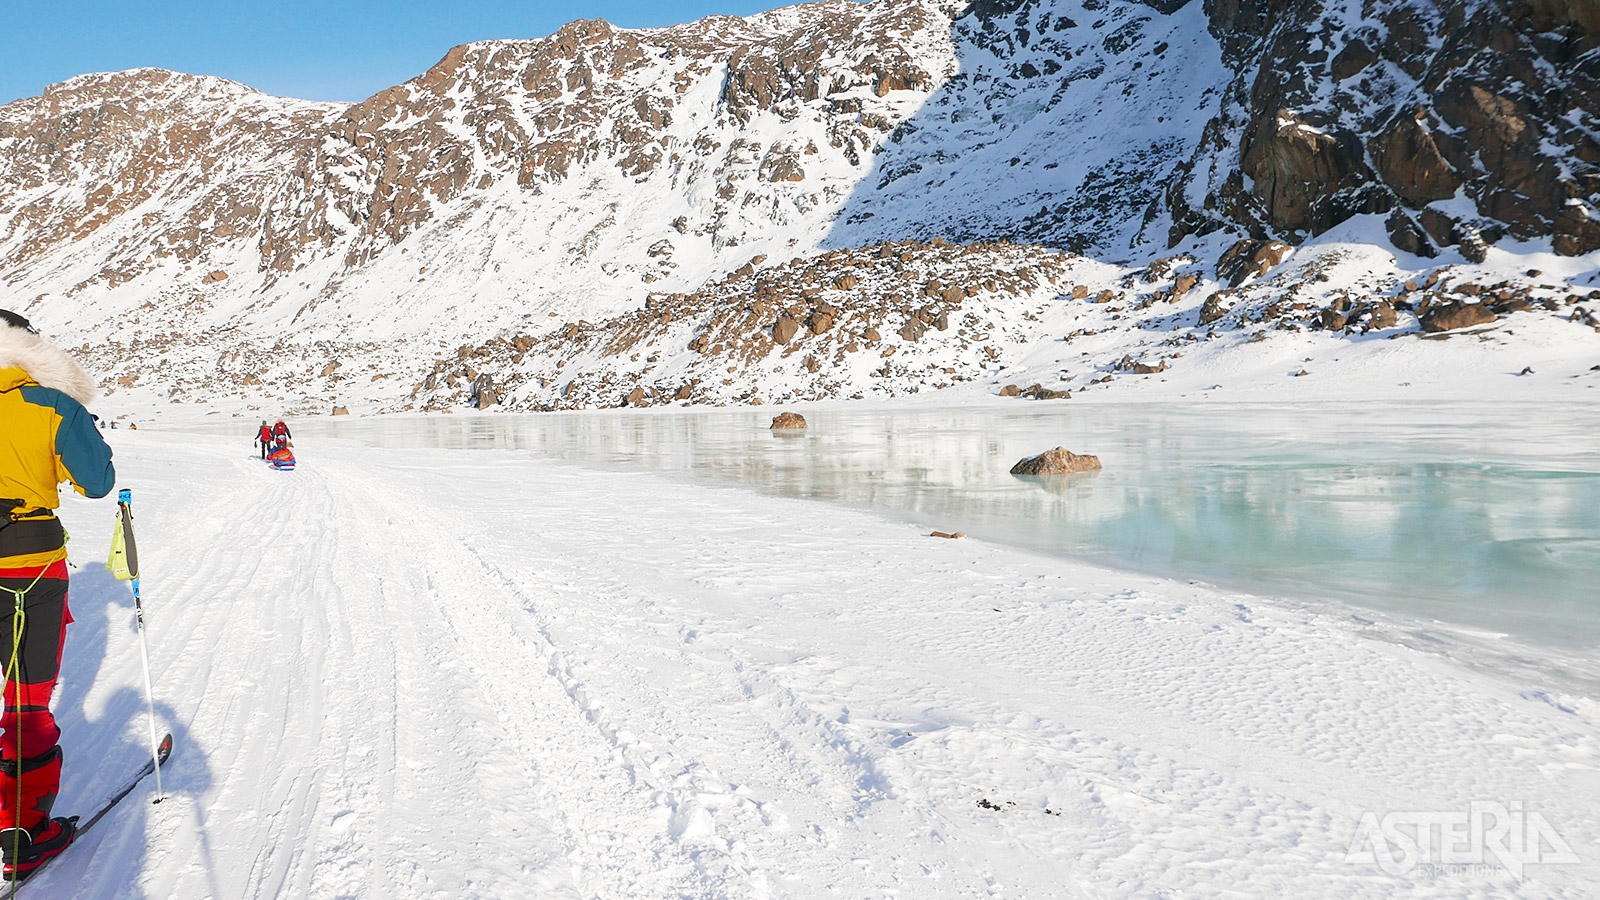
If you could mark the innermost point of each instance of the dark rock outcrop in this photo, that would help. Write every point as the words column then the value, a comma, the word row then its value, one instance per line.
column 1250, row 258
column 1498, row 98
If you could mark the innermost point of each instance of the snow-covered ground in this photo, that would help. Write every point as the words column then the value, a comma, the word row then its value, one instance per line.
column 429, row 673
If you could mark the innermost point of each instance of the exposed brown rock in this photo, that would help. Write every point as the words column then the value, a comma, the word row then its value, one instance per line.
column 1383, row 316
column 1439, row 226
column 783, row 166
column 1129, row 364
column 1059, row 461
column 485, row 392
column 788, row 420
column 1454, row 315
column 1295, row 167
column 1407, row 235
column 1250, row 258
column 1355, row 57
column 1215, row 307
column 1410, row 162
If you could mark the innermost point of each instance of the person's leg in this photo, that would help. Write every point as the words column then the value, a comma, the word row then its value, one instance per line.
column 30, row 757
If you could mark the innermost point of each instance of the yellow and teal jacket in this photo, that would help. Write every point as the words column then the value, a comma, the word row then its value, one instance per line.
column 46, row 438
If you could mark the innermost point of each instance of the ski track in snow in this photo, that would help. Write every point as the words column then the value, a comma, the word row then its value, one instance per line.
column 480, row 674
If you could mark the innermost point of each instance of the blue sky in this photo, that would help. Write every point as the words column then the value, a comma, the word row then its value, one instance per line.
column 330, row 50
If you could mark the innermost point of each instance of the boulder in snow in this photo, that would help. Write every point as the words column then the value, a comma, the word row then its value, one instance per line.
column 1250, row 258
column 1451, row 316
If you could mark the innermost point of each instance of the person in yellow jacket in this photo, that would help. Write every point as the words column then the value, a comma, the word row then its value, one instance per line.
column 46, row 437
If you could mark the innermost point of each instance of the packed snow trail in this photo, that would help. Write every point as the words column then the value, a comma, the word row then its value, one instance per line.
column 456, row 674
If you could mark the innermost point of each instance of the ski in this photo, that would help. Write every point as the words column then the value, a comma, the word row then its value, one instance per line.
column 163, row 753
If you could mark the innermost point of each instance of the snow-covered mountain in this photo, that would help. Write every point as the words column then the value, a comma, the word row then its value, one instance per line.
column 204, row 239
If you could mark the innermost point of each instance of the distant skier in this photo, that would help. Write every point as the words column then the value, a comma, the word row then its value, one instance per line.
column 264, row 437
column 45, row 436
column 281, row 435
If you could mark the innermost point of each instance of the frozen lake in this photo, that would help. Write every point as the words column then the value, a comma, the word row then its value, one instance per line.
column 1466, row 523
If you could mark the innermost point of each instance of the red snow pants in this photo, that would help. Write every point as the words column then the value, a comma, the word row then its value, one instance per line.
column 30, row 760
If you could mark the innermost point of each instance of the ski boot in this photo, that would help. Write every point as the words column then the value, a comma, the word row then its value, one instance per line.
column 23, row 850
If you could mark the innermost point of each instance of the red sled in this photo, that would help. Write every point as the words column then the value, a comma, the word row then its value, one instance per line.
column 281, row 459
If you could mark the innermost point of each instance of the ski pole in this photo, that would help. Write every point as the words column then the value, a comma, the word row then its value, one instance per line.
column 125, row 513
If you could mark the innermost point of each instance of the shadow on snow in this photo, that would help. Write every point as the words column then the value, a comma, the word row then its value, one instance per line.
column 100, row 753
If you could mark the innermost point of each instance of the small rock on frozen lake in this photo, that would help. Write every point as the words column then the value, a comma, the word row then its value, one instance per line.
column 1059, row 461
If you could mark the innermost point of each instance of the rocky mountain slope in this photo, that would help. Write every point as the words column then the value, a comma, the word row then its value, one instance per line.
column 203, row 239
column 1465, row 121
column 898, row 319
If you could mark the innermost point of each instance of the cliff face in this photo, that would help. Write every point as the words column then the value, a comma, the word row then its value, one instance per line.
column 518, row 186
column 1463, row 121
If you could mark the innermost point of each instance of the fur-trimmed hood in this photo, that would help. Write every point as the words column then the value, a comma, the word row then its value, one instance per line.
column 44, row 363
